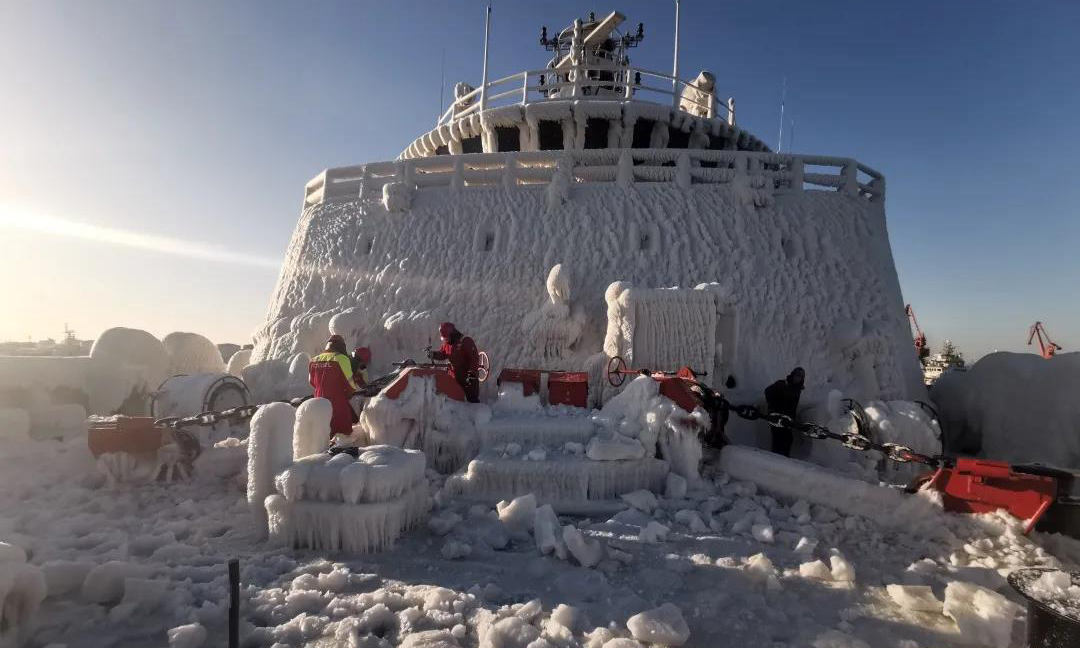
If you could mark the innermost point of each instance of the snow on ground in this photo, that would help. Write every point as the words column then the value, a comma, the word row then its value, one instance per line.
column 730, row 566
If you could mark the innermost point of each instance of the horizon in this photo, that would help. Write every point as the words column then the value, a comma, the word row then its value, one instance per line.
column 155, row 155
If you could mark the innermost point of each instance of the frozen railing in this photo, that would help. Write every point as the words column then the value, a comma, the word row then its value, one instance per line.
column 595, row 83
column 776, row 173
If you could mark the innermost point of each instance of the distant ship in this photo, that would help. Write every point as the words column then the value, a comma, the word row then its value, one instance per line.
column 939, row 363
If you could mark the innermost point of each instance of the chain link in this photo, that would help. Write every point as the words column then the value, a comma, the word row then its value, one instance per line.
column 233, row 415
column 855, row 441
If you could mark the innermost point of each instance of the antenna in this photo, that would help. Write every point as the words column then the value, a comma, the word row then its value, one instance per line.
column 675, row 64
column 783, row 96
column 487, row 34
column 442, row 85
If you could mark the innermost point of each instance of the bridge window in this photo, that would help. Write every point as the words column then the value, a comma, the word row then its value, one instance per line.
column 550, row 133
column 509, row 138
column 596, row 133
column 442, row 150
column 642, row 133
column 472, row 145
column 677, row 138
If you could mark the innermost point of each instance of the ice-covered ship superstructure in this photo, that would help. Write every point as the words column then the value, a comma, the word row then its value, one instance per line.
column 592, row 208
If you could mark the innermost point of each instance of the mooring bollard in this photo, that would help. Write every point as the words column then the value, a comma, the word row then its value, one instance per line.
column 234, row 603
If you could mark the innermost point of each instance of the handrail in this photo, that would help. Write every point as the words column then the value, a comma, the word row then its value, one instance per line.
column 769, row 174
column 623, row 85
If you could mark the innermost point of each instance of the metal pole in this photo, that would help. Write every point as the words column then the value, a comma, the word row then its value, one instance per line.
column 484, row 82
column 234, row 603
column 675, row 64
column 442, row 86
column 783, row 95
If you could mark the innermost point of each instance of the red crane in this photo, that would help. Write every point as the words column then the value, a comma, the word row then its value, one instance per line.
column 920, row 338
column 1047, row 347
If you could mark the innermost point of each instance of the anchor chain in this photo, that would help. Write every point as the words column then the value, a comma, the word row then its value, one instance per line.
column 854, row 441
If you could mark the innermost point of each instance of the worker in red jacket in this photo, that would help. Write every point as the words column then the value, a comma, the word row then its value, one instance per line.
column 464, row 359
column 331, row 374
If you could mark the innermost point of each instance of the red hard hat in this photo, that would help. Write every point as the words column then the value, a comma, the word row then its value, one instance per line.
column 363, row 354
column 446, row 329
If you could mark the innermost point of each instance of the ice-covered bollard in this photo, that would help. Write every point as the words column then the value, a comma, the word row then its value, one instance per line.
column 663, row 625
column 269, row 451
column 311, row 432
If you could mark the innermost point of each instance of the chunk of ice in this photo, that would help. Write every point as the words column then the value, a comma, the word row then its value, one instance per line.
column 663, row 625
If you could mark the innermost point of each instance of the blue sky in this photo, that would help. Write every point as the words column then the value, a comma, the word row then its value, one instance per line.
column 153, row 154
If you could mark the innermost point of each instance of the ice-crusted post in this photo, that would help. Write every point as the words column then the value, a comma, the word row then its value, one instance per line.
column 849, row 173
column 682, row 171
column 625, row 174
column 269, row 452
column 731, row 111
column 312, row 427
column 558, row 190
column 457, row 176
column 796, row 167
column 509, row 177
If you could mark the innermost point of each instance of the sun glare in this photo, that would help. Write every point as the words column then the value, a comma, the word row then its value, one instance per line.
column 45, row 224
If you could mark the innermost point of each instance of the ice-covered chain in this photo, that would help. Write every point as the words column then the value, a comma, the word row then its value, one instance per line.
column 207, row 419
column 894, row 451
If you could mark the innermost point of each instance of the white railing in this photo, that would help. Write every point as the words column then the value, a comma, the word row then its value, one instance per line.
column 625, row 83
column 772, row 173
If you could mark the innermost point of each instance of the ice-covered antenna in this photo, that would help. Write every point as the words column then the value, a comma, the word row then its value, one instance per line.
column 487, row 34
column 675, row 63
column 783, row 96
column 442, row 84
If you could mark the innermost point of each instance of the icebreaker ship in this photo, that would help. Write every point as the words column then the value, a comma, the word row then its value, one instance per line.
column 591, row 208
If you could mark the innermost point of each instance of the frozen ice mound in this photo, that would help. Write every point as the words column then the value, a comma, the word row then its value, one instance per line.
column 354, row 528
column 345, row 503
column 377, row 474
column 566, row 479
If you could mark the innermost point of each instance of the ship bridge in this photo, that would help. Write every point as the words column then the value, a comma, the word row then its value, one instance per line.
column 589, row 96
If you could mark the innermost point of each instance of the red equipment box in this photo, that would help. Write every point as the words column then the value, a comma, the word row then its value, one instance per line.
column 529, row 379
column 134, row 434
column 568, row 388
column 979, row 486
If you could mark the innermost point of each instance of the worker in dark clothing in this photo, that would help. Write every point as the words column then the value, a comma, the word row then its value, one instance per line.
column 464, row 359
column 717, row 406
column 782, row 397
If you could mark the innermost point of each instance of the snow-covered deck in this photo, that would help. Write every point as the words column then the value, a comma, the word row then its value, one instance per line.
column 770, row 172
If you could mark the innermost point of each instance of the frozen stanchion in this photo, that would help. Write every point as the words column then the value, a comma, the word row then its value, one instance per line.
column 234, row 603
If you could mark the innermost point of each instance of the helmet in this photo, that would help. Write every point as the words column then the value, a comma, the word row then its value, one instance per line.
column 336, row 343
column 446, row 329
column 363, row 354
